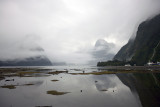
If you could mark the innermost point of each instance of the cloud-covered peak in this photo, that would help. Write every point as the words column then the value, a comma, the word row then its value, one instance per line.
column 101, row 43
column 102, row 51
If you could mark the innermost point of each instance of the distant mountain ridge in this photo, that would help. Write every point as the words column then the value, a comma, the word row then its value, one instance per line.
column 145, row 47
column 32, row 61
column 40, row 59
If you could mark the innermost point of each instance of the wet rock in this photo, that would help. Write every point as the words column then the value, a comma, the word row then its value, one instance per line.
column 10, row 80
column 1, row 78
column 104, row 90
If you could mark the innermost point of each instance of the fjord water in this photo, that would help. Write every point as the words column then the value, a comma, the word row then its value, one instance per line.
column 106, row 90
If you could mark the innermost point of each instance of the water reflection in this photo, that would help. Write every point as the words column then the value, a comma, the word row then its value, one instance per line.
column 111, row 90
column 146, row 85
column 106, row 82
column 117, row 89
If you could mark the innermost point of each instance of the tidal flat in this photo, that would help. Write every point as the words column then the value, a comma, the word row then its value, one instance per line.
column 79, row 86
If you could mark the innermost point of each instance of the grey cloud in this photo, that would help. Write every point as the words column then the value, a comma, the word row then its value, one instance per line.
column 103, row 51
column 66, row 29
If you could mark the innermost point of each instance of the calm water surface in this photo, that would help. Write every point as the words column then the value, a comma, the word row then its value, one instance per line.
column 109, row 90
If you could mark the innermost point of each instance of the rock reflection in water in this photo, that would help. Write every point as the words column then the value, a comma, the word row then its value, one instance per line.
column 146, row 85
column 111, row 90
column 117, row 91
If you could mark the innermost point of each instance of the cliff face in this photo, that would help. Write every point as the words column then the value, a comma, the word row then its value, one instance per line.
column 145, row 47
column 126, row 52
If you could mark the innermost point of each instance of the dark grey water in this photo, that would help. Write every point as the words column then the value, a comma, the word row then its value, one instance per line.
column 108, row 90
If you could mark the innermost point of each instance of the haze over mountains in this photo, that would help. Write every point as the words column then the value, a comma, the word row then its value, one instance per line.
column 34, row 56
column 68, row 30
column 143, row 48
column 26, row 52
column 102, row 51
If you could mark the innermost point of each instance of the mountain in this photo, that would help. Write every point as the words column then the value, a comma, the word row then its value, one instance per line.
column 32, row 61
column 37, row 60
column 103, row 43
column 126, row 52
column 102, row 51
column 146, row 45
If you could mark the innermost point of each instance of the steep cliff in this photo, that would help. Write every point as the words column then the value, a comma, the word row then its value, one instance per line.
column 145, row 47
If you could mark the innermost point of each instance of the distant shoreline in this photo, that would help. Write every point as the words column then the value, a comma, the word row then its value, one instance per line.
column 157, row 68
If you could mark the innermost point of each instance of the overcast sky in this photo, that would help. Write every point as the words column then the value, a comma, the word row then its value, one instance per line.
column 68, row 29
